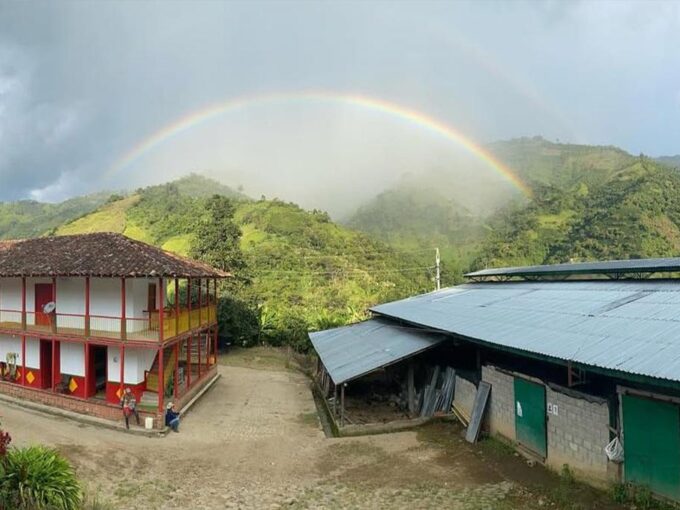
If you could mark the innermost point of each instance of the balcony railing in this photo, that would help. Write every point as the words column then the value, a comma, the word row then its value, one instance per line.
column 131, row 328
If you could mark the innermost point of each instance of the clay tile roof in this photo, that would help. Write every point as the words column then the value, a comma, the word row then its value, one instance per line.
column 100, row 254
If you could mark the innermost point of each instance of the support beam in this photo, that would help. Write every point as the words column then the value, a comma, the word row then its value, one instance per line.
column 161, row 380
column 87, row 306
column 23, row 360
column 200, row 307
column 411, row 389
column 87, row 369
column 189, row 301
column 54, row 364
column 53, row 318
column 23, row 303
column 175, row 381
column 176, row 306
column 342, row 405
column 200, row 341
column 121, row 384
column 161, row 310
column 189, row 361
column 123, row 310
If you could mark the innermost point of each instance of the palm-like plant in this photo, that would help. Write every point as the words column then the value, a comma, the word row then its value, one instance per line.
column 38, row 478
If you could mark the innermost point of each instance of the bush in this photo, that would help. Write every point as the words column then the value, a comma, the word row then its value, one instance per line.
column 38, row 478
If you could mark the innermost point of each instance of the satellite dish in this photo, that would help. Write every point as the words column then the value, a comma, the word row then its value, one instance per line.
column 49, row 307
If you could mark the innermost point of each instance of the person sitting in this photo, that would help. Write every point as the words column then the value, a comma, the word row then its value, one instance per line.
column 129, row 404
column 172, row 417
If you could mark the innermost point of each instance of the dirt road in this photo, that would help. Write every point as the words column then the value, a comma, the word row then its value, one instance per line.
column 254, row 442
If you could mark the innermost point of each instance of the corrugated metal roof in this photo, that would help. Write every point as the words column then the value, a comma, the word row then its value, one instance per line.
column 630, row 326
column 352, row 351
column 606, row 267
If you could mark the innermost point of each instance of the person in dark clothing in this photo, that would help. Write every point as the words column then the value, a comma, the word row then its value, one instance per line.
column 129, row 404
column 172, row 417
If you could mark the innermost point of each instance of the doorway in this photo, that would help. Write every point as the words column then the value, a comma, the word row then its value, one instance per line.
column 45, row 364
column 43, row 295
column 530, row 416
column 99, row 367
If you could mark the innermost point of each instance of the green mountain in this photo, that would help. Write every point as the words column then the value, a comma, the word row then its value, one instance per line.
column 417, row 217
column 588, row 202
column 305, row 270
column 28, row 218
column 671, row 161
column 634, row 213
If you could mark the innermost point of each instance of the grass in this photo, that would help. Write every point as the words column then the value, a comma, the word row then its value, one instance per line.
column 110, row 218
column 260, row 358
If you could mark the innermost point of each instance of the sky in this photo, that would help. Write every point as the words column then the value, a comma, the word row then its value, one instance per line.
column 84, row 85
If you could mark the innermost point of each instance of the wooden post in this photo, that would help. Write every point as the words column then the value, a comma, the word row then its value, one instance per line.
column 335, row 401
column 87, row 306
column 200, row 340
column 176, row 307
column 87, row 369
column 175, row 381
column 23, row 360
column 54, row 362
column 411, row 390
column 161, row 379
column 123, row 310
column 53, row 318
column 200, row 307
column 121, row 385
column 342, row 405
column 161, row 310
column 23, row 303
column 189, row 302
column 189, row 361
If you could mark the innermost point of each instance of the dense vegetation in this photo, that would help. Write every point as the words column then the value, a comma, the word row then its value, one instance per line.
column 298, row 269
column 28, row 218
column 295, row 269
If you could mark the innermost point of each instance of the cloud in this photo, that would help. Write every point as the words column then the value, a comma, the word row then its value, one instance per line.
column 81, row 84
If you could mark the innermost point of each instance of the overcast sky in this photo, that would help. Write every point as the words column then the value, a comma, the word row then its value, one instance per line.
column 81, row 84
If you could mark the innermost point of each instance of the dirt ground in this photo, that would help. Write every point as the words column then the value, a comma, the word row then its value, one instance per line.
column 254, row 441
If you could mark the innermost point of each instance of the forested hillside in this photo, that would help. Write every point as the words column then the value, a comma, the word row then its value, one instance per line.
column 28, row 218
column 633, row 214
column 302, row 270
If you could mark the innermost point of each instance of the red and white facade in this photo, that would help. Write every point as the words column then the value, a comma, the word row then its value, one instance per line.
column 155, row 335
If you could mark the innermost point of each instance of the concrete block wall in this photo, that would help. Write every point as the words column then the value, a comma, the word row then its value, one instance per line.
column 577, row 434
column 464, row 396
column 501, row 406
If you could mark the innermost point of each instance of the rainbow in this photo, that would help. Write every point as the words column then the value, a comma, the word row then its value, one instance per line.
column 422, row 120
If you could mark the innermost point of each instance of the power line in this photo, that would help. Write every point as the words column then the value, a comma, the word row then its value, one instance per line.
column 342, row 271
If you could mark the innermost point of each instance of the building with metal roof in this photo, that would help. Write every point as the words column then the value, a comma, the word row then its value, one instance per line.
column 352, row 351
column 579, row 357
column 630, row 327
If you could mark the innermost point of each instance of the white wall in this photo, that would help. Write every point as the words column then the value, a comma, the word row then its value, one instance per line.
column 11, row 343
column 72, row 358
column 137, row 360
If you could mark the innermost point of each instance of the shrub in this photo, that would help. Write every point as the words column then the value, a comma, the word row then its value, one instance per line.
column 38, row 478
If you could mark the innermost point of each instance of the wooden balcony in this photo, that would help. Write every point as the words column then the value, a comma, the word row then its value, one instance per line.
column 145, row 328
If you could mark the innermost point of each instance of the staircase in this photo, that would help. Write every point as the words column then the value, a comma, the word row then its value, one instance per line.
column 204, row 342
column 152, row 375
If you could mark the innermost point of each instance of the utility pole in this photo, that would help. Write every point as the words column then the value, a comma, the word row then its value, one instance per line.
column 437, row 277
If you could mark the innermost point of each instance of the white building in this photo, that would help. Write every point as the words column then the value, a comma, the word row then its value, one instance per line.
column 83, row 317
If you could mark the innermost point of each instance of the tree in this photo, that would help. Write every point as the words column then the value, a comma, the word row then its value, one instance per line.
column 218, row 238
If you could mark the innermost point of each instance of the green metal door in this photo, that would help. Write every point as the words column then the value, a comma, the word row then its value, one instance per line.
column 651, row 449
column 530, row 416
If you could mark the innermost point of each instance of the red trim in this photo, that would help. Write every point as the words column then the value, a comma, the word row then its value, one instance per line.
column 121, row 379
column 161, row 379
column 112, row 389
